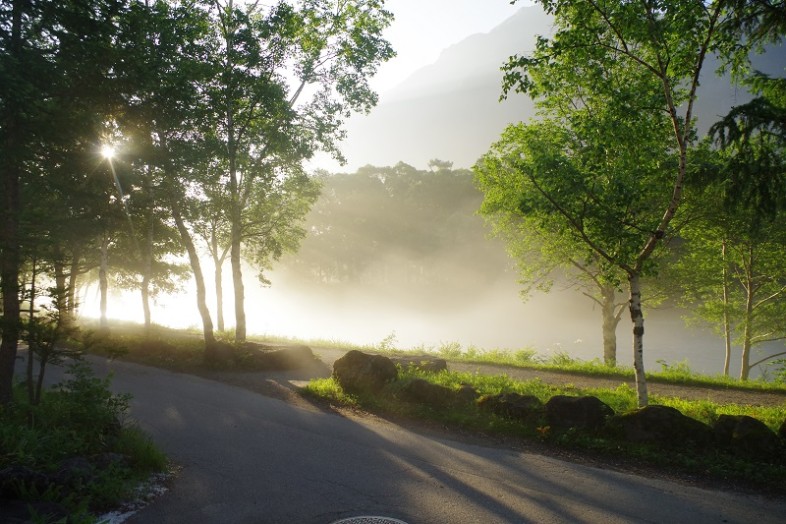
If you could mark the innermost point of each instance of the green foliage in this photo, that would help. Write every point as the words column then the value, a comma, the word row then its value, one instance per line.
column 388, row 343
column 328, row 389
column 80, row 417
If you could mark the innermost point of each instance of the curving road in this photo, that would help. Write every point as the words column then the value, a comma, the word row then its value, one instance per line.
column 248, row 458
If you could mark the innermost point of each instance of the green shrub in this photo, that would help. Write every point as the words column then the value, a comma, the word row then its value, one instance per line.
column 79, row 417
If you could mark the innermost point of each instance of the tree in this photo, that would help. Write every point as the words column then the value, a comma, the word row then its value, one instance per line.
column 163, row 66
column 53, row 66
column 264, row 120
column 617, row 84
column 540, row 253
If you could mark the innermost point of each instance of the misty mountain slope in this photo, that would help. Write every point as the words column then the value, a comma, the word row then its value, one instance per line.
column 451, row 110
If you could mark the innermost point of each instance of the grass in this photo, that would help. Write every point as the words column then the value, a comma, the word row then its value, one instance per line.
column 710, row 463
column 182, row 350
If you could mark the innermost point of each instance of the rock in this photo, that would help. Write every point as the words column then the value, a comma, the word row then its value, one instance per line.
column 513, row 405
column 358, row 372
column 23, row 512
column 782, row 431
column 746, row 435
column 466, row 394
column 564, row 412
column 663, row 425
column 278, row 359
column 427, row 363
column 422, row 391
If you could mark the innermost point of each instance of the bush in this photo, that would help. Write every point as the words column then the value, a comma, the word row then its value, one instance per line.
column 79, row 419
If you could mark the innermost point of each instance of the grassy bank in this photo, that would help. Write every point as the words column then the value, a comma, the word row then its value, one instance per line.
column 730, row 469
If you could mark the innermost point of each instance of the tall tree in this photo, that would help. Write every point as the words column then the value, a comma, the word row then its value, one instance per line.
column 54, row 64
column 615, row 78
column 287, row 77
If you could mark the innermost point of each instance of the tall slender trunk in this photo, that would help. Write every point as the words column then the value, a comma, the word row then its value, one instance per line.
column 10, row 171
column 750, row 293
column 637, row 316
column 71, row 304
column 237, row 278
column 235, row 239
column 147, row 252
column 60, row 283
column 726, row 319
column 204, row 312
column 31, row 397
column 103, row 284
column 218, row 276
column 610, row 321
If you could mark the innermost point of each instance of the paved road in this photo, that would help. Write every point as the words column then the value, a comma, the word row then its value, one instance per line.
column 248, row 458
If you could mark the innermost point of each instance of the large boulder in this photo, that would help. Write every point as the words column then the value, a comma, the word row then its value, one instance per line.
column 746, row 435
column 663, row 425
column 358, row 372
column 564, row 412
column 513, row 405
column 428, row 363
column 424, row 392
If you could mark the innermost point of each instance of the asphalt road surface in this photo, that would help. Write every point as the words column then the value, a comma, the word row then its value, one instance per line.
column 248, row 458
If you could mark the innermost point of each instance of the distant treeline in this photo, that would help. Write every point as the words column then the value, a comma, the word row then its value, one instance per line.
column 398, row 226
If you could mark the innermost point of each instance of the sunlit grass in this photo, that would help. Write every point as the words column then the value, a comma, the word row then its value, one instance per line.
column 328, row 389
column 709, row 463
column 183, row 350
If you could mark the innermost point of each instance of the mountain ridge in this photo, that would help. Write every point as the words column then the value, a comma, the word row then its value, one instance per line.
column 451, row 109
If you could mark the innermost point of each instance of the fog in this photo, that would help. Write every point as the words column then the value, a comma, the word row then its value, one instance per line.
column 487, row 315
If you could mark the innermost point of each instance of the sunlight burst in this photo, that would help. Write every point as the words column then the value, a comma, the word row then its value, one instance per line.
column 108, row 151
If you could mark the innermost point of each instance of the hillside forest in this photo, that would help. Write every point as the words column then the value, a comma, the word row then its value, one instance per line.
column 142, row 138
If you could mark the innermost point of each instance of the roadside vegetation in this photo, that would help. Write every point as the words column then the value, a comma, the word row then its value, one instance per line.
column 74, row 450
column 603, row 446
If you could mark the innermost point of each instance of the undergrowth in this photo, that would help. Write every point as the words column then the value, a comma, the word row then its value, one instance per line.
column 79, row 417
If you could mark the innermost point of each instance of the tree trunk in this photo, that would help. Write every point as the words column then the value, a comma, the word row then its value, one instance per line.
column 60, row 284
column 750, row 293
column 70, row 298
column 610, row 321
column 204, row 312
column 9, row 229
column 219, row 276
column 147, row 253
column 31, row 397
column 103, row 284
column 237, row 279
column 726, row 320
column 637, row 316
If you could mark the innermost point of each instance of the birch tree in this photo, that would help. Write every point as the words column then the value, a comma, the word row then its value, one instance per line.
column 641, row 62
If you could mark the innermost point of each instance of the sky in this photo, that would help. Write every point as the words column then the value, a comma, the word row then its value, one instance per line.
column 422, row 29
